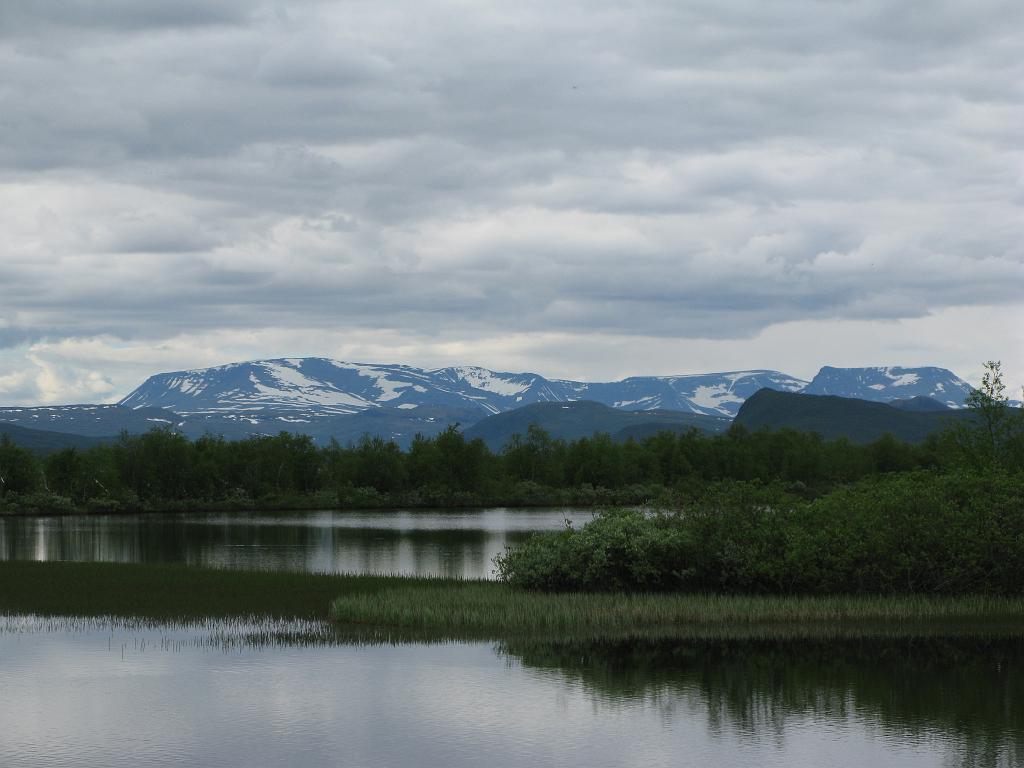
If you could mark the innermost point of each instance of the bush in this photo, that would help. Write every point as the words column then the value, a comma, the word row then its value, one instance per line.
column 43, row 503
column 618, row 550
column 103, row 505
column 912, row 533
column 366, row 497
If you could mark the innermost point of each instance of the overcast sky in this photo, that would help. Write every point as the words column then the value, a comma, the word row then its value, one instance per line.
column 581, row 189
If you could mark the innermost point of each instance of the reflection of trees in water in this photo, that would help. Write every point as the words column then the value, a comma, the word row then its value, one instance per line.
column 238, row 543
column 101, row 538
column 439, row 552
column 965, row 693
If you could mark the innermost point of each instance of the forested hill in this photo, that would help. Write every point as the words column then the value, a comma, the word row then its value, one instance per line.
column 584, row 418
column 43, row 441
column 833, row 417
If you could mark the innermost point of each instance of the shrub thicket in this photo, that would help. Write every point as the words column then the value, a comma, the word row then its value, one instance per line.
column 919, row 532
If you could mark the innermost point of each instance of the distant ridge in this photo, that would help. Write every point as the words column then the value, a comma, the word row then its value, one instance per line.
column 832, row 417
column 45, row 441
column 88, row 420
column 584, row 418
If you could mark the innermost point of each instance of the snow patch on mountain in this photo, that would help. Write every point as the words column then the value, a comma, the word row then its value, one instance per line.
column 887, row 383
column 389, row 389
column 489, row 381
column 714, row 397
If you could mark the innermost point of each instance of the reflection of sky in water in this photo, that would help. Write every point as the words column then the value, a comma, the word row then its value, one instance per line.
column 446, row 543
column 164, row 696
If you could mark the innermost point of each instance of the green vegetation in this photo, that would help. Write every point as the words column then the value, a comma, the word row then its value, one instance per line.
column 955, row 528
column 904, row 534
column 174, row 592
column 455, row 608
column 162, row 470
column 494, row 609
column 766, row 513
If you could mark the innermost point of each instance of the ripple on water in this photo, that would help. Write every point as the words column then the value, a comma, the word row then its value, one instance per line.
column 112, row 693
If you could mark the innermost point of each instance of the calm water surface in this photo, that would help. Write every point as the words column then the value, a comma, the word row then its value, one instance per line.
column 440, row 543
column 94, row 695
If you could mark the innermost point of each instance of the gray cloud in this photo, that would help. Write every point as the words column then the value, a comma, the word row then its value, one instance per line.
column 702, row 170
column 27, row 18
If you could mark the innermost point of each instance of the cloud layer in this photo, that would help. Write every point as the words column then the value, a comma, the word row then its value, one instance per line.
column 588, row 189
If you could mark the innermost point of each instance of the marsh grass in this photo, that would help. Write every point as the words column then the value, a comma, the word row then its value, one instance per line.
column 175, row 592
column 485, row 608
column 396, row 609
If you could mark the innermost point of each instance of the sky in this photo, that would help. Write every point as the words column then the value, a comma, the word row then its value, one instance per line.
column 586, row 190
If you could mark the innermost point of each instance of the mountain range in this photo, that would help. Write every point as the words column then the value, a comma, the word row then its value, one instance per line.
column 333, row 399
column 320, row 385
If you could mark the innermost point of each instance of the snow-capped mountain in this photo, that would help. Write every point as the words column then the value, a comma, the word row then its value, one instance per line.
column 331, row 399
column 891, row 383
column 710, row 394
column 323, row 386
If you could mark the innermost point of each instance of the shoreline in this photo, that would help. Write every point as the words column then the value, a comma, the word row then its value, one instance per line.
column 213, row 508
column 438, row 607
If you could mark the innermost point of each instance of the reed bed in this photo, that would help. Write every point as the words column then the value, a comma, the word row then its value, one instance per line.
column 484, row 607
column 392, row 608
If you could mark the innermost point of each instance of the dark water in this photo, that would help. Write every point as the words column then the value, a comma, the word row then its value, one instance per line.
column 92, row 695
column 442, row 543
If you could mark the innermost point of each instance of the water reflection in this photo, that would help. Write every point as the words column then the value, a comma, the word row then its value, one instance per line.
column 230, row 693
column 460, row 543
column 963, row 694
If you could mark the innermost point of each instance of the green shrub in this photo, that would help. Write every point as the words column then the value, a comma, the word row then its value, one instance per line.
column 366, row 497
column 103, row 505
column 912, row 533
column 43, row 503
column 618, row 550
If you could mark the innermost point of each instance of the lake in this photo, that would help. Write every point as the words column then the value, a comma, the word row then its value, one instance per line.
column 455, row 543
column 86, row 694
column 102, row 693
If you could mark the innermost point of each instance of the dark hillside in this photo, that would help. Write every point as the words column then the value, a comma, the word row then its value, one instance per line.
column 584, row 418
column 833, row 417
column 920, row 404
column 42, row 441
